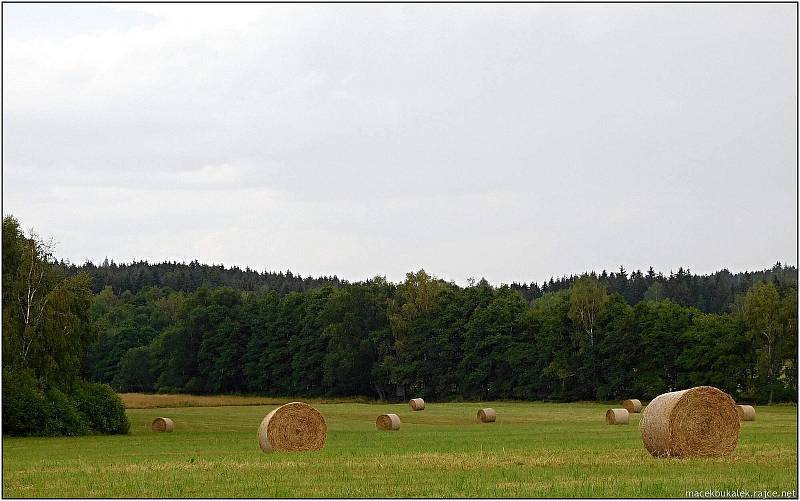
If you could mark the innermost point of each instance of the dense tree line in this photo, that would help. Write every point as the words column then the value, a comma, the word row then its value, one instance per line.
column 425, row 337
column 47, row 326
column 714, row 293
column 206, row 329
column 139, row 275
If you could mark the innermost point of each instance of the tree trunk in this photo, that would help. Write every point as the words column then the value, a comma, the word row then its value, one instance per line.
column 378, row 389
column 592, row 362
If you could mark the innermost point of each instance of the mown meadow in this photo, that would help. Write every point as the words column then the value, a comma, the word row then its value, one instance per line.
column 533, row 450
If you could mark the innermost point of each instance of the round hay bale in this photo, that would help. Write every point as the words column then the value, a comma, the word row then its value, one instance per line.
column 389, row 422
column 746, row 412
column 632, row 405
column 700, row 421
column 487, row 415
column 162, row 424
column 617, row 416
column 416, row 404
column 292, row 427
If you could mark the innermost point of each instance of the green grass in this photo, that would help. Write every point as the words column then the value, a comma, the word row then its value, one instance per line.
column 533, row 450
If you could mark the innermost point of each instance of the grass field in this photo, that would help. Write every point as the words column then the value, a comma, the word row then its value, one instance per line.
column 533, row 450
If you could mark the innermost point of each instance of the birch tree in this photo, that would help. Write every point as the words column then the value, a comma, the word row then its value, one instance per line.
column 46, row 320
column 770, row 320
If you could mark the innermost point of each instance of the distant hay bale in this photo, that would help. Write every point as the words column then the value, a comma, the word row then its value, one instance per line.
column 632, row 405
column 487, row 415
column 700, row 421
column 292, row 427
column 389, row 422
column 162, row 424
column 617, row 416
column 416, row 404
column 746, row 412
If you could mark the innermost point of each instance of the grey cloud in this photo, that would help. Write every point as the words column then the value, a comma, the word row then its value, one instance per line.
column 511, row 141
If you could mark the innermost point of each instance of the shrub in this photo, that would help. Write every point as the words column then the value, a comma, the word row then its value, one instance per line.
column 30, row 410
column 63, row 417
column 25, row 408
column 102, row 408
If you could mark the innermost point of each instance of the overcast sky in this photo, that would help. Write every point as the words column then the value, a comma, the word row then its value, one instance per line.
column 512, row 142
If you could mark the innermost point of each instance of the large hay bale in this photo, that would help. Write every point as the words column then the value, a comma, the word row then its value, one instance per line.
column 416, row 404
column 746, row 412
column 617, row 416
column 632, row 405
column 162, row 424
column 389, row 422
column 700, row 421
column 292, row 427
column 487, row 415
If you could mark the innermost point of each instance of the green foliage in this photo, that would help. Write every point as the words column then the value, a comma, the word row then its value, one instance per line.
column 587, row 303
column 30, row 409
column 25, row 408
column 490, row 338
column 126, row 324
column 63, row 416
column 579, row 338
column 618, row 351
column 46, row 316
column 716, row 352
column 714, row 293
column 102, row 408
column 189, row 277
column 436, row 340
column 222, row 342
column 588, row 299
column 47, row 326
column 771, row 320
column 135, row 370
column 659, row 325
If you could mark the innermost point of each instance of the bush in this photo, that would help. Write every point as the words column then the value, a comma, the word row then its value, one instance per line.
column 25, row 408
column 29, row 409
column 63, row 417
column 102, row 408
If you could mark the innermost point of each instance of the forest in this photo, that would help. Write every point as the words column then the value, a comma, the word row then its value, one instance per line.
column 194, row 328
column 590, row 337
column 712, row 293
